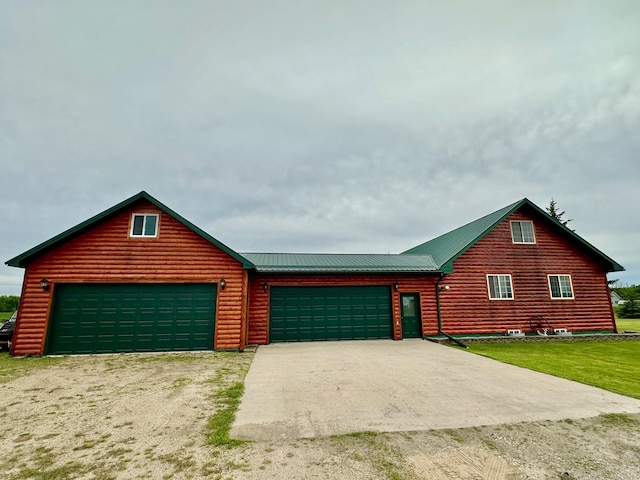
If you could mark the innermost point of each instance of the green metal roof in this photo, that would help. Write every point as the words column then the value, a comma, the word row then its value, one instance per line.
column 24, row 259
column 340, row 263
column 446, row 248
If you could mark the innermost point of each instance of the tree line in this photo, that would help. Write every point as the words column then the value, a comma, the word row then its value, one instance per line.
column 631, row 306
column 9, row 303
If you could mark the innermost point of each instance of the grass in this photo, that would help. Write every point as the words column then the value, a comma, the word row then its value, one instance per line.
column 11, row 368
column 4, row 316
column 611, row 365
column 384, row 458
column 219, row 425
column 628, row 324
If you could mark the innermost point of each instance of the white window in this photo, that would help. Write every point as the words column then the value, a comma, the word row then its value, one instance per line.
column 500, row 287
column 144, row 225
column 522, row 232
column 560, row 286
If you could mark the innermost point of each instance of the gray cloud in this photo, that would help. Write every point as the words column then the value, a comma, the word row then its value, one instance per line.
column 320, row 126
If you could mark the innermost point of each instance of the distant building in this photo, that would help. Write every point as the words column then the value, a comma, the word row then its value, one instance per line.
column 616, row 299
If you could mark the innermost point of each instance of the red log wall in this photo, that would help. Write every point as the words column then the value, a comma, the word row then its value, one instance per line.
column 106, row 254
column 258, row 332
column 466, row 307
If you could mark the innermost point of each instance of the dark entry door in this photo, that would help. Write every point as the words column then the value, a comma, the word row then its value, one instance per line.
column 410, row 312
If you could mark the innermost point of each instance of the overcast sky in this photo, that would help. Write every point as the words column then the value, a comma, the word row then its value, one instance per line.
column 325, row 126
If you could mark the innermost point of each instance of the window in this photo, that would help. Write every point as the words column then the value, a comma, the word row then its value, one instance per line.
column 522, row 232
column 500, row 287
column 560, row 286
column 144, row 225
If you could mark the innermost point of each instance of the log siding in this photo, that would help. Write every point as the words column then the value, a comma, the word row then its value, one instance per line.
column 467, row 309
column 103, row 251
column 108, row 254
column 424, row 285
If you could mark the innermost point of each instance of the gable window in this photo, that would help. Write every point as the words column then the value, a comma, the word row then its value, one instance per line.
column 500, row 287
column 560, row 286
column 144, row 225
column 522, row 232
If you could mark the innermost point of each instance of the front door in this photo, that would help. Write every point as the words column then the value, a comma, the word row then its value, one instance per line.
column 410, row 313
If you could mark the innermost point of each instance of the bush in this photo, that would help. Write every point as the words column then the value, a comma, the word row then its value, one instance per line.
column 629, row 309
column 631, row 306
column 9, row 303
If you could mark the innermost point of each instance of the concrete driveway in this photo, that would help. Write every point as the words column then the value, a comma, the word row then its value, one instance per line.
column 300, row 390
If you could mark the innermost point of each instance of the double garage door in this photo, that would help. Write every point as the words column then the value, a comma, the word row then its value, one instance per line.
column 302, row 314
column 105, row 318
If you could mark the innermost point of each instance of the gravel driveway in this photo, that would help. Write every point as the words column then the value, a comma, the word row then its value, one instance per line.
column 114, row 416
column 144, row 417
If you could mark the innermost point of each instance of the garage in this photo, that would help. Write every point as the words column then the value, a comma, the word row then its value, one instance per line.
column 303, row 314
column 110, row 318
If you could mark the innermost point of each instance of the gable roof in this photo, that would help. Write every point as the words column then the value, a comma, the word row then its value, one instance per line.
column 341, row 263
column 23, row 259
column 448, row 247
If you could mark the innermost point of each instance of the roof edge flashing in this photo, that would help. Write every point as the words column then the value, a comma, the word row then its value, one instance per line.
column 23, row 260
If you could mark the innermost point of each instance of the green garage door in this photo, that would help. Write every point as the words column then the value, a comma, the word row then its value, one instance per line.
column 303, row 314
column 105, row 318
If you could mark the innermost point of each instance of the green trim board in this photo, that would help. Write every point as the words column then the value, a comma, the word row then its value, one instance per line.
column 446, row 248
column 23, row 259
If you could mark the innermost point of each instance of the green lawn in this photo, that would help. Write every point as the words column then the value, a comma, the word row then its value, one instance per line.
column 628, row 324
column 4, row 316
column 612, row 365
column 11, row 368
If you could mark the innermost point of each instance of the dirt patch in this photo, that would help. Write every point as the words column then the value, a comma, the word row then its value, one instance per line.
column 125, row 416
column 145, row 416
column 462, row 463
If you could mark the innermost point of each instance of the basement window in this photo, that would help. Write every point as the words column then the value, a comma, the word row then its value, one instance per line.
column 500, row 287
column 560, row 286
column 144, row 225
column 522, row 232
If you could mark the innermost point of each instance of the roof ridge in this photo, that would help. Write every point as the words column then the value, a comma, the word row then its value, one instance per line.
column 506, row 209
column 449, row 246
column 22, row 259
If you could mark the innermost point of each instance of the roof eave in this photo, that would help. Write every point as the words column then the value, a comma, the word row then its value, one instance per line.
column 342, row 271
column 612, row 265
column 447, row 266
column 23, row 259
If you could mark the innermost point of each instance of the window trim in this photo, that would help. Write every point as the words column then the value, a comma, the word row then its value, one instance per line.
column 561, row 297
column 489, row 275
column 144, row 223
column 523, row 242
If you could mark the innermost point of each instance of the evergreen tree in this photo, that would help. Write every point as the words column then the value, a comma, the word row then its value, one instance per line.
column 554, row 212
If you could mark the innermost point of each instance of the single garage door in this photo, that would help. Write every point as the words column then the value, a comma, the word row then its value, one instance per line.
column 105, row 318
column 303, row 314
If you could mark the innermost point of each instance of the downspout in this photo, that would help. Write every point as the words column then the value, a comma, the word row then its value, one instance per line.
column 454, row 340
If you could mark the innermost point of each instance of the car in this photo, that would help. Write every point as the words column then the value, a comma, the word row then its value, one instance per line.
column 6, row 331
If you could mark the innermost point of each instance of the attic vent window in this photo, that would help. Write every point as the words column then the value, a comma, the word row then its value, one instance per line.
column 522, row 232
column 144, row 225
